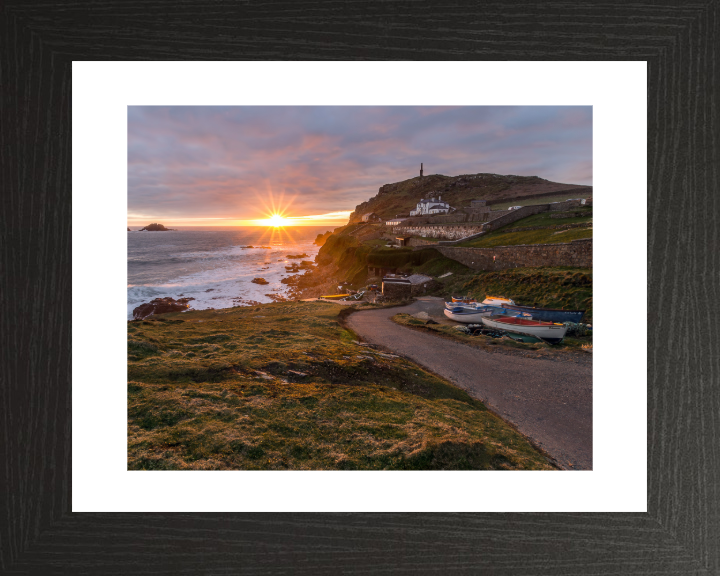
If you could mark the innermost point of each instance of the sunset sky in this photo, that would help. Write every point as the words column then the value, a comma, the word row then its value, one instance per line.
column 236, row 165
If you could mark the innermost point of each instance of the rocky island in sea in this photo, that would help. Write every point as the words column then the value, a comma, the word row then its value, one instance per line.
column 155, row 227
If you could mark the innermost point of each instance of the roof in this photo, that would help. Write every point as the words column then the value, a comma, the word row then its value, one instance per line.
column 419, row 278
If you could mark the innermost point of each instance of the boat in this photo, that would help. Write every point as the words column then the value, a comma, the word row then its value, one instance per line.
column 550, row 332
column 550, row 314
column 464, row 300
column 335, row 296
column 495, row 301
column 473, row 315
column 451, row 305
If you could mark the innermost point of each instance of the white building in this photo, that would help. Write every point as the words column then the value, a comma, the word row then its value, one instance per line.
column 430, row 206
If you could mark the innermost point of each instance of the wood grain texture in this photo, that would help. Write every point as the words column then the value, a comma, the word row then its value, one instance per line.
column 681, row 531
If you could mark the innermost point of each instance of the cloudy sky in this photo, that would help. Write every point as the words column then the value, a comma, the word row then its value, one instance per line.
column 235, row 165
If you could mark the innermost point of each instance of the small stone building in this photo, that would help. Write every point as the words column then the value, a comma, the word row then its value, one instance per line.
column 407, row 286
column 371, row 217
column 478, row 207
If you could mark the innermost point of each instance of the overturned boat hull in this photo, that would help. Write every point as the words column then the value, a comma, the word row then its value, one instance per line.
column 500, row 302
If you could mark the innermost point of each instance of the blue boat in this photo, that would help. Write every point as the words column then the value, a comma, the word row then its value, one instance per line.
column 549, row 314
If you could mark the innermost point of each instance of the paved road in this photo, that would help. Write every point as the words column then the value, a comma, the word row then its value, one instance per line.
column 549, row 401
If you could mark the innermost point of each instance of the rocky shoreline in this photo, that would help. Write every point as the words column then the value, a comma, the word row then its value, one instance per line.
column 161, row 306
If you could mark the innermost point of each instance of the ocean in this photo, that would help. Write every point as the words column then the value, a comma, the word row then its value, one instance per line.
column 213, row 264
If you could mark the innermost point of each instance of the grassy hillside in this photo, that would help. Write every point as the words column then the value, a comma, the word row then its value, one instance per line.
column 458, row 191
column 542, row 236
column 550, row 233
column 284, row 386
column 352, row 258
column 542, row 200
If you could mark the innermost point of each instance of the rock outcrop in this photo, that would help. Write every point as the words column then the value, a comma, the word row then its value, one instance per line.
column 161, row 306
column 259, row 281
column 320, row 240
column 155, row 227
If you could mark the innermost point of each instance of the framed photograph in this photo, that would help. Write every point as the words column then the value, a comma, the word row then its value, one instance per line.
column 93, row 483
column 279, row 320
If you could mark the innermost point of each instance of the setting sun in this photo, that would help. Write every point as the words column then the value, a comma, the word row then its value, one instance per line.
column 277, row 220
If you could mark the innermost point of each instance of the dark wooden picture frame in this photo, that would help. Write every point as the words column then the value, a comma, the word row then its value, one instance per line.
column 681, row 530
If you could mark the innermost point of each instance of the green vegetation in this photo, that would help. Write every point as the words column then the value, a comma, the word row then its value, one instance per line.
column 552, row 233
column 569, row 288
column 377, row 242
column 545, row 219
column 542, row 200
column 353, row 258
column 542, row 236
column 285, row 386
column 320, row 239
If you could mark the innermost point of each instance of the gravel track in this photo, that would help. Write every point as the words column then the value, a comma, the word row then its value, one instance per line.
column 549, row 401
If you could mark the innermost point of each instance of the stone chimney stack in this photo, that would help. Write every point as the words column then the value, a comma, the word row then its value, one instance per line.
column 421, row 170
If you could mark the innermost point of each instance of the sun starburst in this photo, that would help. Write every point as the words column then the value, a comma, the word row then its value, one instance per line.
column 277, row 220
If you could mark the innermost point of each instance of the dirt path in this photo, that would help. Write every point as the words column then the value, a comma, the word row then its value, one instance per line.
column 549, row 401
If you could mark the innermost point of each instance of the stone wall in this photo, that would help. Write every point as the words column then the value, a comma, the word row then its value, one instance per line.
column 560, row 206
column 397, row 291
column 493, row 214
column 570, row 214
column 577, row 253
column 401, row 291
column 447, row 231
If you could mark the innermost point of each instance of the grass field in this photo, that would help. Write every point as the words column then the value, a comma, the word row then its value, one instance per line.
column 285, row 386
column 544, row 219
column 535, row 201
column 542, row 236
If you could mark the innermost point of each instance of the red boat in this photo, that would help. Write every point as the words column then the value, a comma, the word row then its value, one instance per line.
column 549, row 331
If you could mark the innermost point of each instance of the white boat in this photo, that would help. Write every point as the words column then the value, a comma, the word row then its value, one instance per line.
column 474, row 315
column 469, row 306
column 494, row 301
column 549, row 331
